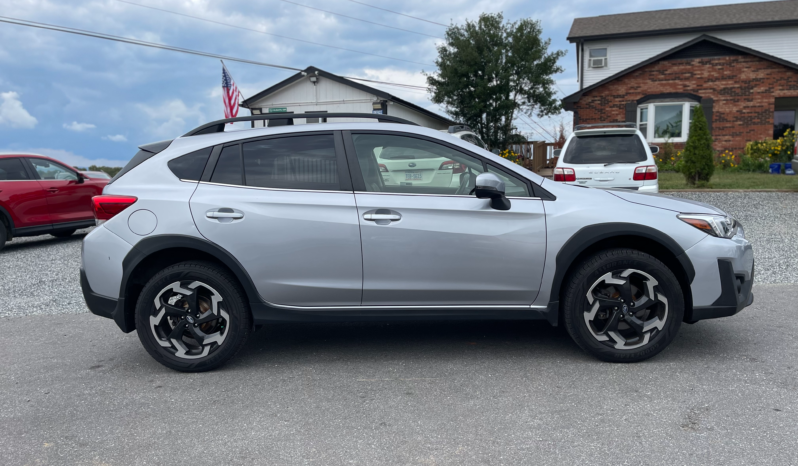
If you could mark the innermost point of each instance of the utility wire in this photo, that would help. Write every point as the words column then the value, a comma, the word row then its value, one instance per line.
column 524, row 118
column 98, row 35
column 359, row 19
column 397, row 13
column 268, row 33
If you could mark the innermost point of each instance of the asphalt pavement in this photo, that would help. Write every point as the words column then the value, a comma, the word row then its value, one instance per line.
column 75, row 390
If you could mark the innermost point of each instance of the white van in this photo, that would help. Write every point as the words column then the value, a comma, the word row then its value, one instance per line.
column 610, row 155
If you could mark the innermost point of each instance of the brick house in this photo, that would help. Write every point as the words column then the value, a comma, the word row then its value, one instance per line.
column 739, row 62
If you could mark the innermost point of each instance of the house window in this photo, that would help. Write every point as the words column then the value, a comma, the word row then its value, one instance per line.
column 665, row 121
column 597, row 58
column 783, row 120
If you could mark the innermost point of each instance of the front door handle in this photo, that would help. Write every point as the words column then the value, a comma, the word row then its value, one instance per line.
column 52, row 190
column 382, row 216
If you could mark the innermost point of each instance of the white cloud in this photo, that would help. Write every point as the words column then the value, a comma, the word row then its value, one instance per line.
column 169, row 119
column 13, row 114
column 79, row 127
column 69, row 158
column 115, row 138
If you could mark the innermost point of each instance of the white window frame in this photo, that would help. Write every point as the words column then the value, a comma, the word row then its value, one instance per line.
column 587, row 57
column 652, row 109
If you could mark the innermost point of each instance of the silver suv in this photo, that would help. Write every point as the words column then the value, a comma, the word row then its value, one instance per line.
column 203, row 238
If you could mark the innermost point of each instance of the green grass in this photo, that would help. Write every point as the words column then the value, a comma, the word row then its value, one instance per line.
column 732, row 180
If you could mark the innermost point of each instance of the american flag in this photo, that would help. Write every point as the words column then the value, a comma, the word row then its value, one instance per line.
column 229, row 94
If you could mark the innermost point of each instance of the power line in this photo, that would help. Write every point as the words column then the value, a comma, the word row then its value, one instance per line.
column 397, row 13
column 359, row 19
column 268, row 33
column 155, row 45
column 523, row 117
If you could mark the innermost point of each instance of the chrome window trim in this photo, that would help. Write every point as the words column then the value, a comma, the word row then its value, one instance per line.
column 448, row 306
column 30, row 179
column 274, row 189
column 436, row 195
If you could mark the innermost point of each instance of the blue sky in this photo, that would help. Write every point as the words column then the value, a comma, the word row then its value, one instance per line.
column 85, row 100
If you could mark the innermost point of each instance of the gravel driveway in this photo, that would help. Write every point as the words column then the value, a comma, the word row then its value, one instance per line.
column 40, row 275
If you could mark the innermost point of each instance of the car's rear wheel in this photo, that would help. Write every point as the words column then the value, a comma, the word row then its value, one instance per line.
column 3, row 235
column 623, row 305
column 63, row 233
column 192, row 317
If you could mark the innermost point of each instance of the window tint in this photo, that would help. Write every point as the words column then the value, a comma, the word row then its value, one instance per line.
column 48, row 170
column 620, row 148
column 300, row 162
column 190, row 166
column 12, row 170
column 401, row 164
column 228, row 168
column 513, row 186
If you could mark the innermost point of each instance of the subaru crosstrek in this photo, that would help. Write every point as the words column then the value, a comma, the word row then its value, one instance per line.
column 203, row 238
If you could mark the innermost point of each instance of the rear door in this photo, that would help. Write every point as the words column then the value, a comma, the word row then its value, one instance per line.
column 21, row 195
column 284, row 207
column 68, row 196
column 441, row 246
column 605, row 160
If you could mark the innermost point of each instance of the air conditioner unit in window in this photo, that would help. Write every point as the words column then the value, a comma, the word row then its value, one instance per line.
column 598, row 62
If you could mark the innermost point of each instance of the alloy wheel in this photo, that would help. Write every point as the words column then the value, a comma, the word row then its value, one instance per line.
column 625, row 311
column 189, row 319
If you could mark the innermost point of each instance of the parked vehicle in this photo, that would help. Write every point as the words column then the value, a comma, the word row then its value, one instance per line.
column 40, row 195
column 465, row 133
column 207, row 236
column 96, row 174
column 608, row 156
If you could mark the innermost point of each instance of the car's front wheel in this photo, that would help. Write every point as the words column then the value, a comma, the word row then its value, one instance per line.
column 623, row 305
column 192, row 317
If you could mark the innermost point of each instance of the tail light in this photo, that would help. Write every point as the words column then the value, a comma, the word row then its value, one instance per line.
column 455, row 167
column 646, row 172
column 564, row 174
column 106, row 206
column 383, row 168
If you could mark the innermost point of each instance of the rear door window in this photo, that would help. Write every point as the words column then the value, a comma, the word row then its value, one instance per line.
column 12, row 170
column 615, row 148
column 299, row 162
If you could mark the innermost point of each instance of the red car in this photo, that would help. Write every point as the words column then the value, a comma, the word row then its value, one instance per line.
column 40, row 195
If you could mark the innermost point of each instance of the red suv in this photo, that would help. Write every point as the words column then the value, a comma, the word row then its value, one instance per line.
column 39, row 196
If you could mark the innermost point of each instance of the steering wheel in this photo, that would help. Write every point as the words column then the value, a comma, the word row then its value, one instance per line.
column 468, row 181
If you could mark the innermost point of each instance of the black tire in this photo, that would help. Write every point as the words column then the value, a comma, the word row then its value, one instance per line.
column 3, row 235
column 228, row 323
column 613, row 332
column 63, row 233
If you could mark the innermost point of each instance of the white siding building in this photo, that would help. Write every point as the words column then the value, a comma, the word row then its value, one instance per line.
column 317, row 91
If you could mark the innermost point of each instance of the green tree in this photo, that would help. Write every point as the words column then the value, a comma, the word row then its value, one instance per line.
column 488, row 70
column 697, row 164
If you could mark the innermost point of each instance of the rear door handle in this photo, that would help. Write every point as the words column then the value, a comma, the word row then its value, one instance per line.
column 233, row 215
column 382, row 216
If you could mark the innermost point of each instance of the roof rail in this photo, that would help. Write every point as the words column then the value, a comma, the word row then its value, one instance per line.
column 605, row 125
column 218, row 125
column 458, row 128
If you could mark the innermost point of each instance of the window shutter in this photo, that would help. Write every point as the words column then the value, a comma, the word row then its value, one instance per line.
column 631, row 112
column 707, row 106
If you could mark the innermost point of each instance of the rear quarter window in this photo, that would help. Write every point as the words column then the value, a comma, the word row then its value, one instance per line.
column 12, row 170
column 190, row 166
column 605, row 148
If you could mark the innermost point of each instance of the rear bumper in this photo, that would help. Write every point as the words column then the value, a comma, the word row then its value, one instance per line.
column 735, row 294
column 103, row 306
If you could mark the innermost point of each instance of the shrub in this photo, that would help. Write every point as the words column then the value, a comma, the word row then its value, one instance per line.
column 726, row 160
column 668, row 158
column 697, row 162
column 780, row 150
column 512, row 157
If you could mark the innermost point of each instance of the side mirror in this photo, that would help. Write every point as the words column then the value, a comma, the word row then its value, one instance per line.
column 654, row 149
column 557, row 152
column 80, row 178
column 490, row 186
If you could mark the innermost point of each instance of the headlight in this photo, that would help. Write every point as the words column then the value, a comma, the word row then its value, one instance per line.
column 721, row 226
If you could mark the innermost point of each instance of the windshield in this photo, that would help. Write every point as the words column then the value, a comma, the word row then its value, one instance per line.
column 615, row 148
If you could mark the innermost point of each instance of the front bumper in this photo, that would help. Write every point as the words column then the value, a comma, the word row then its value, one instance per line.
column 735, row 294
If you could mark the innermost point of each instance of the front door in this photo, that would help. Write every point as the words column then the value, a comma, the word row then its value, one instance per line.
column 68, row 197
column 287, row 213
column 428, row 241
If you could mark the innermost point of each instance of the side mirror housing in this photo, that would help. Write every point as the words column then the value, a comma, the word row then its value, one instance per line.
column 654, row 149
column 80, row 177
column 490, row 186
column 557, row 152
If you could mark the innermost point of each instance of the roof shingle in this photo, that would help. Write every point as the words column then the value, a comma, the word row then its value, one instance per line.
column 771, row 13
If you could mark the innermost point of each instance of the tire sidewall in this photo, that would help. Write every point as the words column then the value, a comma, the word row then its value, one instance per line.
column 576, row 303
column 238, row 324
